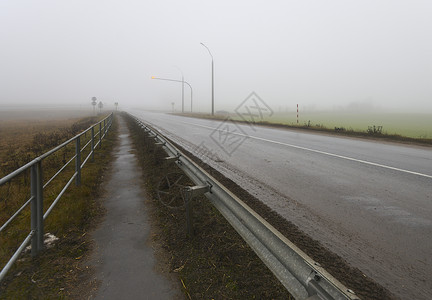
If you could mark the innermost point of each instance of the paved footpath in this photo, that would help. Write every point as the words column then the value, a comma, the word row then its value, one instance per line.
column 123, row 259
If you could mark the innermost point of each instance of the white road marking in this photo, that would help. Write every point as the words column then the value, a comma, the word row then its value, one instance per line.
column 318, row 151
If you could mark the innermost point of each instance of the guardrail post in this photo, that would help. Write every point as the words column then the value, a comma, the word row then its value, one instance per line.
column 190, row 192
column 37, row 208
column 78, row 161
column 105, row 129
column 189, row 223
column 100, row 135
column 92, row 144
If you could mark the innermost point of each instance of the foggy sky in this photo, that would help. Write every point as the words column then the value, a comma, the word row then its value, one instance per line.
column 320, row 54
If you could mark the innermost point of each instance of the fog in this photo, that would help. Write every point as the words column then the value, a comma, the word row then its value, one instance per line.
column 319, row 54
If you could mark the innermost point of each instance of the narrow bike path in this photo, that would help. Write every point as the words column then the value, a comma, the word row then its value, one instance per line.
column 123, row 259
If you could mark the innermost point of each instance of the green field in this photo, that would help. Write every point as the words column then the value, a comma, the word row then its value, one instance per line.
column 415, row 125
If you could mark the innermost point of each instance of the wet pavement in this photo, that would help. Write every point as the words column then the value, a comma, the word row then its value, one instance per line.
column 123, row 258
column 368, row 202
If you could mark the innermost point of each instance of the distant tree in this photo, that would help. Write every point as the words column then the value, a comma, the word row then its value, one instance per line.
column 94, row 100
column 100, row 105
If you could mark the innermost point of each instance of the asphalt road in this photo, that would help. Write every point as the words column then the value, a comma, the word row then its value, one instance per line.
column 369, row 202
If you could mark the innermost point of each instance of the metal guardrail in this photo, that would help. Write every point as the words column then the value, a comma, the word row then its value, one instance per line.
column 301, row 276
column 37, row 187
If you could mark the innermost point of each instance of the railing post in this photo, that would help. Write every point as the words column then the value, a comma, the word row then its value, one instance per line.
column 189, row 222
column 78, row 161
column 105, row 129
column 100, row 135
column 37, row 208
column 189, row 193
column 92, row 143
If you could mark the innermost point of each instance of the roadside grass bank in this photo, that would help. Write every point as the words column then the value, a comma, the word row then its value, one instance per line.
column 371, row 131
column 215, row 263
column 22, row 140
column 216, row 250
column 55, row 272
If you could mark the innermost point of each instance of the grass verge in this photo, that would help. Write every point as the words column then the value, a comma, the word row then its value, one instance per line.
column 215, row 263
column 56, row 272
column 338, row 131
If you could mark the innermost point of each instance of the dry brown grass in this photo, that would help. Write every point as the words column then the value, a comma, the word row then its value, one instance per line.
column 26, row 140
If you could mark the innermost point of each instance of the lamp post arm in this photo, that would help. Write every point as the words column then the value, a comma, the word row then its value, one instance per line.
column 174, row 80
column 207, row 50
column 166, row 79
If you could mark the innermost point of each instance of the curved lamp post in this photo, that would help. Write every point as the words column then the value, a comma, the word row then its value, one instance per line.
column 182, row 87
column 182, row 81
column 212, row 77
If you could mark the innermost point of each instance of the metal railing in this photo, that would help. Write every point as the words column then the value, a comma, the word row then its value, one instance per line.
column 302, row 277
column 37, row 186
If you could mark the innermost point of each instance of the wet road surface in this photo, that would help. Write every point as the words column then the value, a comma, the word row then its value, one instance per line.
column 124, row 259
column 369, row 202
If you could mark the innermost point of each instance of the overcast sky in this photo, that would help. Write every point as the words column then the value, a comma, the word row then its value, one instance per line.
column 321, row 54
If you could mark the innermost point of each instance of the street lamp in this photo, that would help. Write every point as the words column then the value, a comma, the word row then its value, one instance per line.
column 182, row 88
column 174, row 80
column 212, row 77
